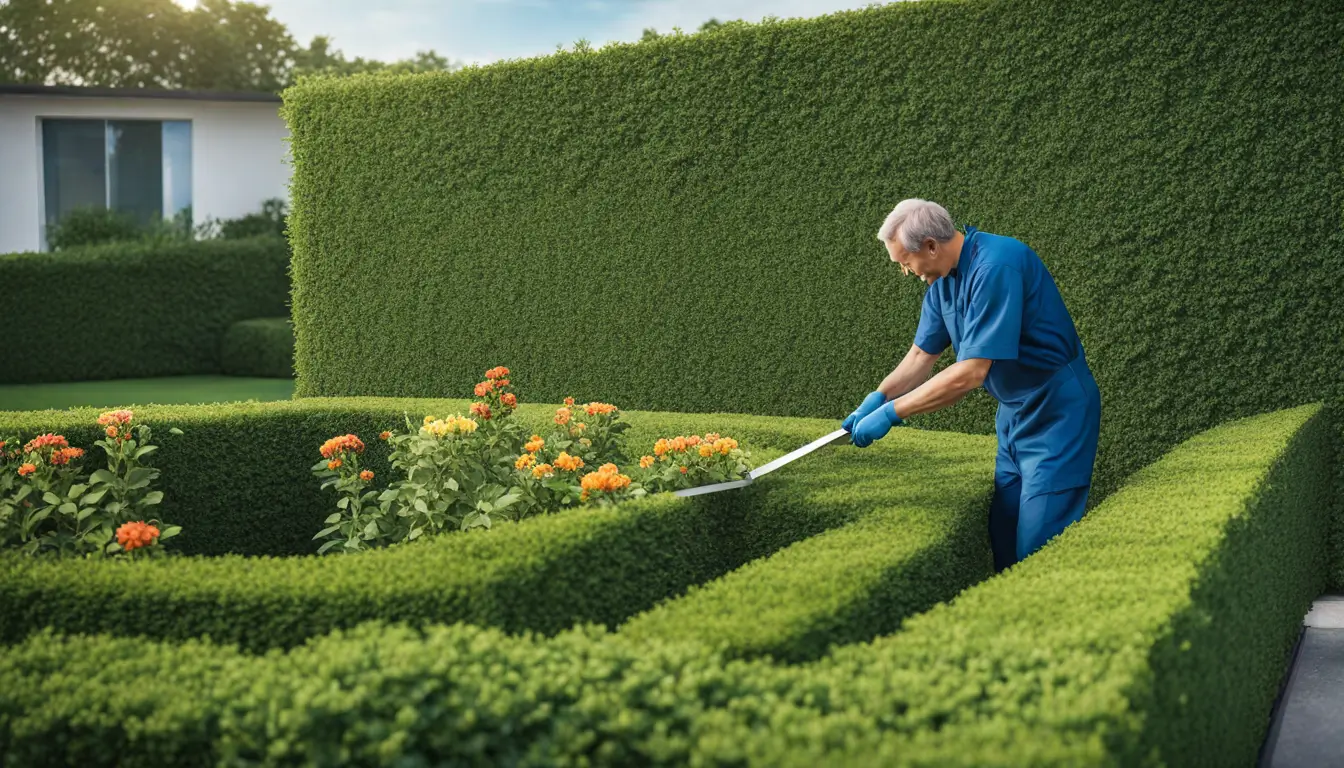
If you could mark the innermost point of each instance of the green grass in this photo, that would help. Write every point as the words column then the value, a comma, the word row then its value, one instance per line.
column 165, row 390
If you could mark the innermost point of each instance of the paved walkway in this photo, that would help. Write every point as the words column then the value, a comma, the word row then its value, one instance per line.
column 1308, row 727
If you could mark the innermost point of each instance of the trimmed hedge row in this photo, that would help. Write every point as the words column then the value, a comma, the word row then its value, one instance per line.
column 260, row 347
column 923, row 540
column 1122, row 642
column 545, row 574
column 727, row 187
column 130, row 310
column 238, row 480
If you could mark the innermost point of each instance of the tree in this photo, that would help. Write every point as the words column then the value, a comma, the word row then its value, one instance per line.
column 218, row 45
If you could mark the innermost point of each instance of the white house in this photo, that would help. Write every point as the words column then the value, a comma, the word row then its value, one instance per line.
column 149, row 153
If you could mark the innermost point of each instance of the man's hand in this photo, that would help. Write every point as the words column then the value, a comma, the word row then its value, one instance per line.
column 870, row 403
column 875, row 425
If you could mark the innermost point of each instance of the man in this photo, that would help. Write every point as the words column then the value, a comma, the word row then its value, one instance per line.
column 993, row 300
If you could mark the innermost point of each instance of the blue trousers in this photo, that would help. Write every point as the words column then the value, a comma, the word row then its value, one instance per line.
column 1018, row 526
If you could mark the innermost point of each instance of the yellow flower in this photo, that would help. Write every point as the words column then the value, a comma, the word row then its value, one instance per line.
column 645, row 462
column 525, row 461
column 706, row 450
column 542, row 470
column 568, row 463
column 429, row 419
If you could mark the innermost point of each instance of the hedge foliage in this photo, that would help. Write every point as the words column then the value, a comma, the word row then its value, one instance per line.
column 259, row 347
column 726, row 188
column 918, row 537
column 238, row 479
column 135, row 309
column 1129, row 627
column 545, row 574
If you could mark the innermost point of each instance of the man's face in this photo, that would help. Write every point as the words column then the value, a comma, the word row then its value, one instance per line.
column 924, row 262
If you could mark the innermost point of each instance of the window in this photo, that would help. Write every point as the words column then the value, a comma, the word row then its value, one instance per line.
column 140, row 167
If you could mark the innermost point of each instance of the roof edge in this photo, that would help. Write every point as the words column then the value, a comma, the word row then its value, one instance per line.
column 32, row 89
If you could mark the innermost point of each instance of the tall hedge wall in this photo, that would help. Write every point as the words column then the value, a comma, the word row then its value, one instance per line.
column 688, row 224
column 137, row 309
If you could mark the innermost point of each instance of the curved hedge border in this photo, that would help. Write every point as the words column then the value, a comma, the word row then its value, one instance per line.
column 1121, row 642
column 598, row 565
column 260, row 347
column 923, row 540
column 130, row 310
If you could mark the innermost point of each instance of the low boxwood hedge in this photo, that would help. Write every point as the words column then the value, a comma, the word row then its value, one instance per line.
column 922, row 538
column 136, row 309
column 259, row 347
column 1155, row 631
column 598, row 565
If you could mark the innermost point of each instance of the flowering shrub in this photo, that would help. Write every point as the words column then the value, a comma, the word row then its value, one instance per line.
column 466, row 471
column 49, row 506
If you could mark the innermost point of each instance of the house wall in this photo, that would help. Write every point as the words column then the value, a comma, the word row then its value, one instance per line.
column 239, row 155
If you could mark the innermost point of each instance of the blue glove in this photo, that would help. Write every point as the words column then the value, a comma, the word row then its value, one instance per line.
column 875, row 425
column 870, row 403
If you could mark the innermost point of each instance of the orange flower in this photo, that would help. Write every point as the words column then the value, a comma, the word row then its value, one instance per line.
column 64, row 455
column 385, row 435
column 569, row 401
column 607, row 478
column 678, row 444
column 509, row 399
column 568, row 463
column 683, row 470
column 342, row 444
column 562, row 416
column 115, row 417
column 135, row 535
column 502, row 383
column 706, row 451
column 693, row 440
column 535, row 444
column 45, row 441
column 543, row 470
column 645, row 462
column 484, row 388
column 333, row 464
column 498, row 372
column 366, row 475
column 26, row 469
column 725, row 445
column 661, row 447
column 525, row 461
column 594, row 409
column 481, row 409
column 711, row 437
column 111, row 430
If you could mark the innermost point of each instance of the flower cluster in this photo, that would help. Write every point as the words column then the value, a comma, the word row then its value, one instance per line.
column 607, row 479
column 49, row 504
column 496, row 399
column 343, row 444
column 568, row 463
column 452, row 425
column 115, row 424
column 134, row 535
column 686, row 460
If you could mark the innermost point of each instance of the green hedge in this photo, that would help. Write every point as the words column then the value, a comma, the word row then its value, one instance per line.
column 131, row 310
column 921, row 537
column 260, row 347
column 724, row 190
column 238, row 479
column 545, row 574
column 1124, row 641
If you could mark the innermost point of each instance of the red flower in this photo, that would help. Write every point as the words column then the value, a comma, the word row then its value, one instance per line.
column 135, row 535
column 509, row 399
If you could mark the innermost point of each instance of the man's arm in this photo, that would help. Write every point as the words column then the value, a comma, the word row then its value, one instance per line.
column 913, row 370
column 949, row 386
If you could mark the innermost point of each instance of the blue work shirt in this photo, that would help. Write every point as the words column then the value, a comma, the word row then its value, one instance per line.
column 1000, row 303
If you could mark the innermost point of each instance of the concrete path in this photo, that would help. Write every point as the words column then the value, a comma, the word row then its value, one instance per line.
column 1308, row 726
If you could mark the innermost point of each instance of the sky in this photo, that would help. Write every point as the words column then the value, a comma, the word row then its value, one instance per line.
column 482, row 31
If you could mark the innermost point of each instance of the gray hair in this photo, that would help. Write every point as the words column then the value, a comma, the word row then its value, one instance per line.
column 914, row 220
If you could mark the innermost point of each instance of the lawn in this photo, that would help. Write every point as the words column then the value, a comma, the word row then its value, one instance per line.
column 168, row 390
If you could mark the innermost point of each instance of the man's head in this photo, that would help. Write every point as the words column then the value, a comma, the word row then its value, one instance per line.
column 920, row 237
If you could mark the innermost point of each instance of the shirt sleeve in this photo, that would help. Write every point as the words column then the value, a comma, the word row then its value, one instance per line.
column 931, row 335
column 993, row 314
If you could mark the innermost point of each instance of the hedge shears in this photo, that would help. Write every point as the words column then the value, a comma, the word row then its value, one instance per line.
column 765, row 468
